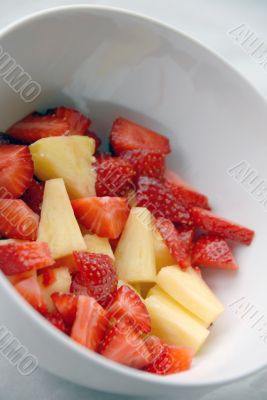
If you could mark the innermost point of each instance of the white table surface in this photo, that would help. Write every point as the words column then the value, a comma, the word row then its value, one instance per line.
column 208, row 21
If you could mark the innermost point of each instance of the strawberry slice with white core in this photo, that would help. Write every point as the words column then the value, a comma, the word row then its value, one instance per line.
column 31, row 291
column 66, row 305
column 77, row 122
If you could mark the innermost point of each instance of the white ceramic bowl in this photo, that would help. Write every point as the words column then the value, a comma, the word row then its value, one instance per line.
column 108, row 63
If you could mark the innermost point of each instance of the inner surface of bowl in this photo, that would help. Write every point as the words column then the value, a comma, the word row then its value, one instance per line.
column 109, row 63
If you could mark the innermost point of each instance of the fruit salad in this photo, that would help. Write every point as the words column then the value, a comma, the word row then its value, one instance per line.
column 109, row 247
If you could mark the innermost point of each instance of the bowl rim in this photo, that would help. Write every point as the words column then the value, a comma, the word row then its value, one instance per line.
column 22, row 304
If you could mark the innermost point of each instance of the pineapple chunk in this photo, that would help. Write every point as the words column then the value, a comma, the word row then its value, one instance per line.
column 162, row 253
column 172, row 324
column 67, row 157
column 58, row 226
column 134, row 255
column 61, row 284
column 98, row 245
column 191, row 292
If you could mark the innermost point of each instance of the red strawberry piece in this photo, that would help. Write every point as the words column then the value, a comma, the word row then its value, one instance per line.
column 126, row 302
column 115, row 176
column 223, row 227
column 48, row 276
column 78, row 124
column 152, row 194
column 90, row 323
column 127, row 135
column 96, row 276
column 16, row 170
column 16, row 258
column 184, row 193
column 56, row 319
column 179, row 241
column 146, row 162
column 33, row 196
column 213, row 251
column 66, row 305
column 32, row 293
column 36, row 126
column 124, row 344
column 104, row 216
column 171, row 360
column 97, row 140
column 17, row 220
column 6, row 139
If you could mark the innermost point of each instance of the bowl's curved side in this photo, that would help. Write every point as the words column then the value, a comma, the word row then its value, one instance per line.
column 108, row 62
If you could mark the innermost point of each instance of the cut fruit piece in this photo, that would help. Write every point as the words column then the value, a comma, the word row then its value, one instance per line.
column 98, row 245
column 131, row 198
column 115, row 176
column 16, row 170
column 61, row 283
column 17, row 220
column 104, row 216
column 134, row 255
column 36, row 126
column 179, row 241
column 220, row 226
column 68, row 157
column 77, row 122
column 127, row 135
column 16, row 258
column 184, row 193
column 146, row 162
column 212, row 251
column 125, row 345
column 33, row 196
column 96, row 277
column 31, row 291
column 57, row 321
column 192, row 295
column 97, row 140
column 126, row 303
column 162, row 253
column 152, row 194
column 58, row 226
column 66, row 305
column 14, row 279
column 90, row 323
column 172, row 324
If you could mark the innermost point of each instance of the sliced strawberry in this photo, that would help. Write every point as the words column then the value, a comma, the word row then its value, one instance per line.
column 127, row 135
column 115, row 176
column 66, row 305
column 31, row 291
column 171, row 360
column 78, row 124
column 94, row 136
column 16, row 170
column 56, row 319
column 48, row 276
column 126, row 302
column 104, row 216
column 17, row 220
column 146, row 162
column 184, row 193
column 36, row 126
column 16, row 258
column 179, row 241
column 14, row 279
column 218, row 225
column 33, row 196
column 96, row 276
column 213, row 251
column 125, row 345
column 6, row 139
column 152, row 194
column 67, row 261
column 90, row 323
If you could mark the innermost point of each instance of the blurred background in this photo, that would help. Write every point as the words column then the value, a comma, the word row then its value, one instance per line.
column 208, row 21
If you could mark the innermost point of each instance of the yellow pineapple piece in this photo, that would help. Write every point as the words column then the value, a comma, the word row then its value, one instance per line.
column 134, row 255
column 61, row 284
column 191, row 292
column 67, row 157
column 162, row 253
column 173, row 324
column 98, row 245
column 58, row 226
